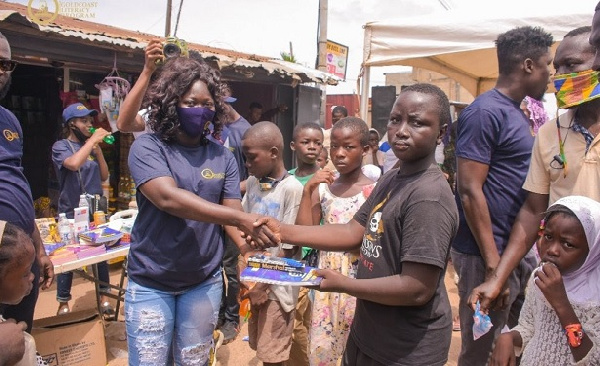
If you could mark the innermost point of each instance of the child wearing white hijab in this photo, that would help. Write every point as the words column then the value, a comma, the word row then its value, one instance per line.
column 560, row 319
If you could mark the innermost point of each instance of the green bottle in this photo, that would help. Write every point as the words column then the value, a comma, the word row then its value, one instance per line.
column 110, row 139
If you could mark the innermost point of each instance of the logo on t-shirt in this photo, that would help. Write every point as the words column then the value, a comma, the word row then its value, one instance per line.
column 370, row 247
column 209, row 174
column 10, row 135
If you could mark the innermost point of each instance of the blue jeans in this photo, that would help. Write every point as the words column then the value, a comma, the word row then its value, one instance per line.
column 165, row 327
column 64, row 281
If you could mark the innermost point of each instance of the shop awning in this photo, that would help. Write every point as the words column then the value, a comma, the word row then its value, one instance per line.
column 78, row 44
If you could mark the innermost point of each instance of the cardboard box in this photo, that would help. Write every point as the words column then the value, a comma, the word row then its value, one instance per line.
column 71, row 340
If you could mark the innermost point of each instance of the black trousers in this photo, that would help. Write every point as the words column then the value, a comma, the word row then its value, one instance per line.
column 230, row 306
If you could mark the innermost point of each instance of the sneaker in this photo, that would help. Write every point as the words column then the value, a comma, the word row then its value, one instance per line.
column 217, row 342
column 230, row 331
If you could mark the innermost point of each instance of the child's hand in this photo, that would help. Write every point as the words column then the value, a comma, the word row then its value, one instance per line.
column 245, row 288
column 12, row 342
column 241, row 265
column 504, row 351
column 258, row 295
column 333, row 281
column 549, row 281
column 321, row 176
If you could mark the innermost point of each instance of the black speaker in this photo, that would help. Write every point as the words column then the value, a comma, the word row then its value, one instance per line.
column 382, row 101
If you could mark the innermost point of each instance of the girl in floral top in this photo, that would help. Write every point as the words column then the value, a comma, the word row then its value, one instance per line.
column 335, row 201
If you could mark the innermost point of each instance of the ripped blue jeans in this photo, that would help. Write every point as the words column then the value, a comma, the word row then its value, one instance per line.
column 172, row 327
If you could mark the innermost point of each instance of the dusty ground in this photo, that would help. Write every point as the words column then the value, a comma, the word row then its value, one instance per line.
column 235, row 353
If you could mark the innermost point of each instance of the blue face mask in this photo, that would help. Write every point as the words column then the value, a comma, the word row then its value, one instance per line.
column 195, row 121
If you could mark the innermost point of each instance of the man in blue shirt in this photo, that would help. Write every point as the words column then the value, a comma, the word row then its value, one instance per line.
column 493, row 150
column 16, row 204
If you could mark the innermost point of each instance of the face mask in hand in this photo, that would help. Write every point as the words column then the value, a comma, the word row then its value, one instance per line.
column 195, row 121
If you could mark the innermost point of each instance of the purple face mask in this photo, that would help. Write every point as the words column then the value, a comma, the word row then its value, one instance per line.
column 195, row 121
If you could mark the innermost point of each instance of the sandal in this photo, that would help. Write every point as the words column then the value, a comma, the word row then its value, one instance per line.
column 107, row 309
column 456, row 324
column 63, row 309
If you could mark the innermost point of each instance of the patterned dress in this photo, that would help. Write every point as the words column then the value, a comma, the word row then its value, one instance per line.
column 333, row 312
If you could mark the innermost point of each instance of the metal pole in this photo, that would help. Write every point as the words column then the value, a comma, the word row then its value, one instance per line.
column 364, row 94
column 322, row 63
column 168, row 20
column 366, row 76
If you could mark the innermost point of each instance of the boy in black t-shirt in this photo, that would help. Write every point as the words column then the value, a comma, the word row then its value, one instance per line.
column 403, row 231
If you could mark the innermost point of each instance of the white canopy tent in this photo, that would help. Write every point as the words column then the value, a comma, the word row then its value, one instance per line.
column 460, row 43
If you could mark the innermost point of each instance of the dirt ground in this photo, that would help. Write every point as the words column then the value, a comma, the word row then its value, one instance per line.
column 235, row 353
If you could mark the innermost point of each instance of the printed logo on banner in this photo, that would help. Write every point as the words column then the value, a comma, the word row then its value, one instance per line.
column 42, row 14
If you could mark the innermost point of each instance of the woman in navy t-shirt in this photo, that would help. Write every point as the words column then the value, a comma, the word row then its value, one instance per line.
column 187, row 187
column 81, row 168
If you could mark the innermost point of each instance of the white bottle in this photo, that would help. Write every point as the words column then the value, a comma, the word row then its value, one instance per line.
column 83, row 202
column 64, row 229
column 105, row 187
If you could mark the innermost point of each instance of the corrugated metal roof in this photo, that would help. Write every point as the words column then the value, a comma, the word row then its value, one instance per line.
column 122, row 38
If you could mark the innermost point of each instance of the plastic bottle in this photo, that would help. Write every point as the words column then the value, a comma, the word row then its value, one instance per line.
column 106, row 188
column 83, row 202
column 245, row 309
column 109, row 139
column 112, row 205
column 126, row 190
column 132, row 189
column 245, row 306
column 132, row 194
column 120, row 188
column 64, row 229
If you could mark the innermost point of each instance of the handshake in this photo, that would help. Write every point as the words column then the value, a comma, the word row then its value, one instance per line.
column 260, row 232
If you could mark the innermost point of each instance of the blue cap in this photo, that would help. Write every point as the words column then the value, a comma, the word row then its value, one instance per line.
column 229, row 99
column 77, row 110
